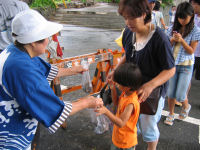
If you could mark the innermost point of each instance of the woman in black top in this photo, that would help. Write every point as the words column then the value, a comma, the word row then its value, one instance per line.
column 149, row 48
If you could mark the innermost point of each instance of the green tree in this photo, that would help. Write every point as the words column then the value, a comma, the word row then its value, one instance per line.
column 167, row 2
column 43, row 3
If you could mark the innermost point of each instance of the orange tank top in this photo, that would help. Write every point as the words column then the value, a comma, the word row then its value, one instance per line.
column 126, row 136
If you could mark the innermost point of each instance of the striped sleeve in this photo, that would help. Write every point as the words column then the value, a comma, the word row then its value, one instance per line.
column 66, row 111
column 53, row 73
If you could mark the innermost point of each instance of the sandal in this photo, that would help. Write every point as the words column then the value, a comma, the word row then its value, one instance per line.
column 179, row 104
column 184, row 112
column 169, row 120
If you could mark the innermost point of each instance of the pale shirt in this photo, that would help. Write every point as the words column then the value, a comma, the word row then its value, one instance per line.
column 8, row 10
column 157, row 15
column 197, row 23
column 153, row 21
column 172, row 16
column 140, row 45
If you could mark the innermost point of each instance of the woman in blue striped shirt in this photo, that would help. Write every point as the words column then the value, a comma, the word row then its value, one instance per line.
column 25, row 95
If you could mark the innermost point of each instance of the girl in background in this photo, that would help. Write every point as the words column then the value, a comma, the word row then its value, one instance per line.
column 184, row 37
column 25, row 95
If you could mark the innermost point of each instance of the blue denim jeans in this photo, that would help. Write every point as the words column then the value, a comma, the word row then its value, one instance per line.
column 179, row 83
column 148, row 124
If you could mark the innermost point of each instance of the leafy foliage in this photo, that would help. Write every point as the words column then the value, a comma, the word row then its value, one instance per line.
column 166, row 3
column 43, row 3
column 108, row 1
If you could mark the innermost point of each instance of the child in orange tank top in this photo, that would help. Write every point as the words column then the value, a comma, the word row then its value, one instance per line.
column 127, row 77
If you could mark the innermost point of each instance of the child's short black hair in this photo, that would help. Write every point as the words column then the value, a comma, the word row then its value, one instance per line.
column 128, row 75
column 157, row 6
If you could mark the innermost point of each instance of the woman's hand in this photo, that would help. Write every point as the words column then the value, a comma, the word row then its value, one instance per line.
column 111, row 83
column 70, row 71
column 144, row 92
column 79, row 69
column 86, row 102
column 94, row 102
column 110, row 76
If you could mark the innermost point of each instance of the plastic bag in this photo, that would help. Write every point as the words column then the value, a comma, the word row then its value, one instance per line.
column 86, row 82
column 51, row 47
column 92, row 116
column 103, row 124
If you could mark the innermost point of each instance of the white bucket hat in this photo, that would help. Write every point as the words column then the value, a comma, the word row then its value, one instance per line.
column 30, row 26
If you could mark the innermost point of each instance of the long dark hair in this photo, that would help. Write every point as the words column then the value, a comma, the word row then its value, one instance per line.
column 183, row 10
column 128, row 75
column 135, row 8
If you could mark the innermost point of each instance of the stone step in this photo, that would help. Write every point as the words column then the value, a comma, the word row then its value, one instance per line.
column 97, row 19
column 89, row 15
column 67, row 11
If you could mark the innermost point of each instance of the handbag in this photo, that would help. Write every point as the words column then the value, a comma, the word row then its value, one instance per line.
column 150, row 105
column 105, row 94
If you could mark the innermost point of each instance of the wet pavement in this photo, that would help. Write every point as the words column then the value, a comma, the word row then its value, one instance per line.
column 78, row 39
column 83, row 40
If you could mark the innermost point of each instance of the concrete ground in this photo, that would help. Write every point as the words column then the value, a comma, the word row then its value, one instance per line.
column 79, row 135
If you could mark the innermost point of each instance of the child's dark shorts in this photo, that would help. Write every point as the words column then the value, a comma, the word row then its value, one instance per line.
column 113, row 147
